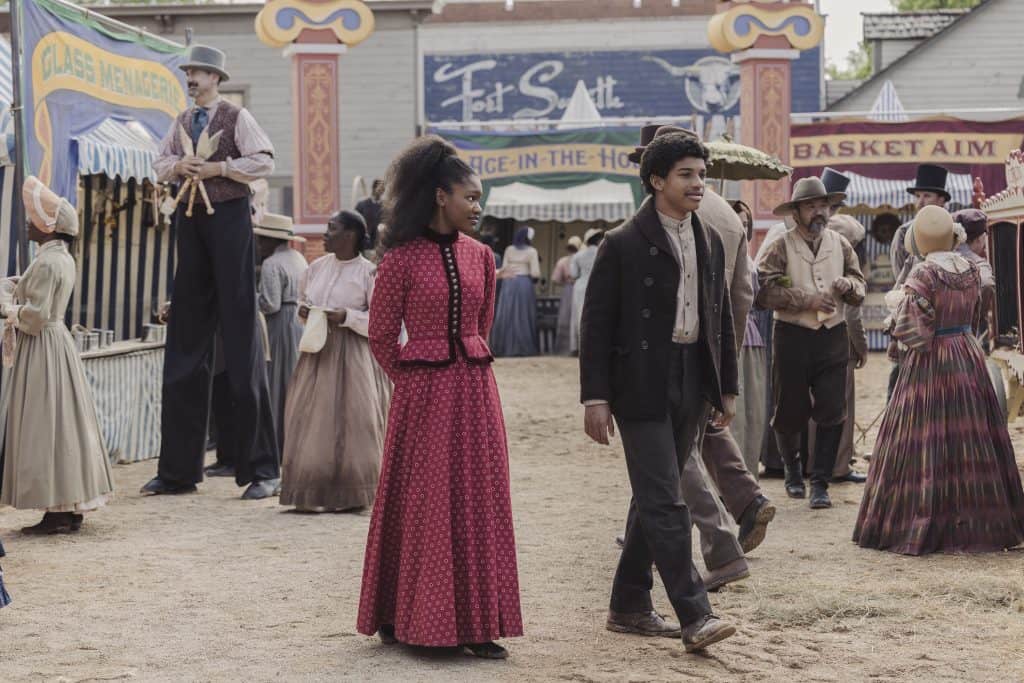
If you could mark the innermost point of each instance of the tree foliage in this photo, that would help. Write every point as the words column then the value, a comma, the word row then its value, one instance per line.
column 911, row 5
column 857, row 65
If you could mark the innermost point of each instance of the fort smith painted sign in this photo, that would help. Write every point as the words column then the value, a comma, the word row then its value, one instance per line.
column 78, row 76
column 622, row 83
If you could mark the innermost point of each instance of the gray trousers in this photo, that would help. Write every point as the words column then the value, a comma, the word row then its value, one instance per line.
column 658, row 525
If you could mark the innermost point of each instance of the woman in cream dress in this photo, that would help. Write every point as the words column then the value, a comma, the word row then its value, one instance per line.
column 55, row 459
column 337, row 400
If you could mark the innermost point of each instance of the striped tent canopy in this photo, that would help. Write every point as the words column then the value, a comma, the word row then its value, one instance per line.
column 887, row 106
column 598, row 200
column 117, row 148
column 877, row 195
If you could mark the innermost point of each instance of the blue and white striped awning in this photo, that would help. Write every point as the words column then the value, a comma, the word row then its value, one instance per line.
column 877, row 193
column 599, row 200
column 887, row 106
column 117, row 148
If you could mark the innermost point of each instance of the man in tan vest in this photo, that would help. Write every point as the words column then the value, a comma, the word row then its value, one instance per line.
column 807, row 278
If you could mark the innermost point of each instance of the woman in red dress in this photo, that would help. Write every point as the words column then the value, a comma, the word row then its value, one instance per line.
column 440, row 565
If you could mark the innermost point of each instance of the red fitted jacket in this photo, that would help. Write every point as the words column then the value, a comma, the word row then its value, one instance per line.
column 442, row 288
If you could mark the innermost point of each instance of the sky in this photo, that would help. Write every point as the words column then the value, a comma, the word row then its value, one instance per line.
column 843, row 27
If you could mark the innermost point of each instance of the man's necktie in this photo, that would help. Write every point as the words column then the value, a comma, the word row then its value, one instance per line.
column 199, row 119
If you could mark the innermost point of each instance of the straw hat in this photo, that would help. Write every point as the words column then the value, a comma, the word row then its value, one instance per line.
column 278, row 227
column 575, row 242
column 849, row 227
column 589, row 234
column 47, row 211
column 805, row 190
column 932, row 230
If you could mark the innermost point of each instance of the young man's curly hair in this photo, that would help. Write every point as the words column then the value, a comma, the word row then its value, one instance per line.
column 666, row 151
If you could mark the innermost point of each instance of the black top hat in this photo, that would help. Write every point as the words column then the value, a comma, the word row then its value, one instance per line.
column 930, row 178
column 649, row 132
column 834, row 180
column 208, row 59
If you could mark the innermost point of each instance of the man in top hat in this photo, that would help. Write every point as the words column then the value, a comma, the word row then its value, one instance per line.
column 657, row 352
column 807, row 277
column 928, row 190
column 724, row 462
column 215, row 284
column 281, row 270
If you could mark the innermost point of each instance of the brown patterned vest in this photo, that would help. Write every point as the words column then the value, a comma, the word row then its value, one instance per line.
column 220, row 189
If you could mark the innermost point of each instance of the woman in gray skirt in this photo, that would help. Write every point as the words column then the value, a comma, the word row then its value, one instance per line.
column 281, row 268
column 515, row 317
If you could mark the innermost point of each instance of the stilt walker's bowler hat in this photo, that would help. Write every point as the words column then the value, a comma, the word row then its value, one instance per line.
column 208, row 59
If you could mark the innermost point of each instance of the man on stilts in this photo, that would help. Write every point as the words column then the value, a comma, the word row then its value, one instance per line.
column 215, row 284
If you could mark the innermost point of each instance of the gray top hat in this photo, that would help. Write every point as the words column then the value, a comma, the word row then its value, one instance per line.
column 206, row 58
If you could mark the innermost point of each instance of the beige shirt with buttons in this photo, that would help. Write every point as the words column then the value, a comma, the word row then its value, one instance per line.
column 680, row 235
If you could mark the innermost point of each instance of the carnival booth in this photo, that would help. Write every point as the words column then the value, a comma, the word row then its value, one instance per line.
column 560, row 183
column 92, row 133
column 1005, row 211
column 881, row 159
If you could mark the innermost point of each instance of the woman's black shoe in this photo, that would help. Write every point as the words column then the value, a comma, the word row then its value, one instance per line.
column 52, row 523
column 386, row 633
column 485, row 650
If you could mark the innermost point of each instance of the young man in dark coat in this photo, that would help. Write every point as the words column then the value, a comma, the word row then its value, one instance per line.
column 657, row 355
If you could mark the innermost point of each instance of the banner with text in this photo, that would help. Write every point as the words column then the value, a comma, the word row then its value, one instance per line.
column 893, row 150
column 622, row 83
column 79, row 73
column 554, row 160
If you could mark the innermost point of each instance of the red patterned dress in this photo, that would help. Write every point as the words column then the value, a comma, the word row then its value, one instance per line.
column 440, row 559
column 943, row 478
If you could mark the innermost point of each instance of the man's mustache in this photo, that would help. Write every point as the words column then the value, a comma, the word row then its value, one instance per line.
column 193, row 85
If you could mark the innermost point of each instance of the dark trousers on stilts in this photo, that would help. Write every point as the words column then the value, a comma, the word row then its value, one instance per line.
column 222, row 414
column 215, row 284
column 658, row 523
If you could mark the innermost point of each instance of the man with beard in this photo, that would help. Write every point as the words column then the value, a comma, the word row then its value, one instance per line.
column 806, row 278
column 215, row 285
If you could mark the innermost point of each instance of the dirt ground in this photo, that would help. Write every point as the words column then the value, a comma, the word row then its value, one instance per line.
column 210, row 588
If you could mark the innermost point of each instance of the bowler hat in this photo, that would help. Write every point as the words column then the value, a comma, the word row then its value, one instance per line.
column 805, row 190
column 930, row 178
column 975, row 222
column 834, row 181
column 208, row 59
column 278, row 227
column 932, row 230
column 648, row 133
